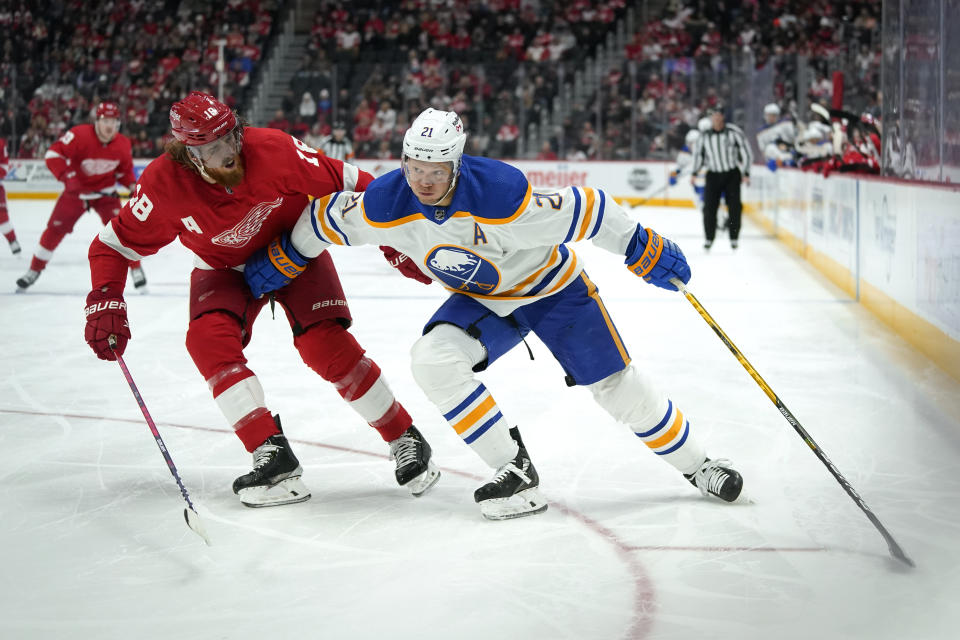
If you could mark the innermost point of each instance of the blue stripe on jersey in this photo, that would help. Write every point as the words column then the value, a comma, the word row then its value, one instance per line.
column 564, row 256
column 661, row 423
column 686, row 432
column 576, row 216
column 313, row 220
column 334, row 224
column 483, row 428
column 600, row 207
column 463, row 405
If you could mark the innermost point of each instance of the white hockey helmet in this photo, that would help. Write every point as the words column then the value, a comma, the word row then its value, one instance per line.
column 436, row 136
column 771, row 110
column 704, row 124
column 691, row 138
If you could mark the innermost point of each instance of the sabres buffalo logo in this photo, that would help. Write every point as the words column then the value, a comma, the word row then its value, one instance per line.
column 463, row 270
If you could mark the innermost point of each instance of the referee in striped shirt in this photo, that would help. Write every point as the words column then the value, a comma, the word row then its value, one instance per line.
column 725, row 152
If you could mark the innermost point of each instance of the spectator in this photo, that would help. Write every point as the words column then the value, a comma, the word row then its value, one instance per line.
column 507, row 136
column 308, row 108
column 279, row 121
column 546, row 151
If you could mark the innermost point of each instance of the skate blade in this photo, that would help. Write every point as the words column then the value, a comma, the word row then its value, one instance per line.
column 419, row 485
column 289, row 491
column 525, row 503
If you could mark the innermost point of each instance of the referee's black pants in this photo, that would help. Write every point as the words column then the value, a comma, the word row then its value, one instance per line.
column 727, row 184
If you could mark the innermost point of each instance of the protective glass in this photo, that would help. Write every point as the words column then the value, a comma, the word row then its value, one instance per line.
column 427, row 173
column 214, row 154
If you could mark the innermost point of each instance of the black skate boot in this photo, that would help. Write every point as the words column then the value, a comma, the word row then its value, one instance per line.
column 415, row 470
column 513, row 492
column 717, row 478
column 27, row 279
column 275, row 478
column 14, row 247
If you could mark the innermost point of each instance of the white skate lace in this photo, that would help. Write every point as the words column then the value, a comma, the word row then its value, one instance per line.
column 404, row 450
column 263, row 454
column 510, row 468
column 711, row 476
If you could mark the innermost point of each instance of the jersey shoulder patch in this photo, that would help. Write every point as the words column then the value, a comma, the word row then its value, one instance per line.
column 388, row 199
column 481, row 179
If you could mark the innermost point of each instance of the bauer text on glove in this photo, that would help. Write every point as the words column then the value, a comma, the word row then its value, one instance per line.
column 402, row 263
column 656, row 259
column 106, row 314
column 273, row 266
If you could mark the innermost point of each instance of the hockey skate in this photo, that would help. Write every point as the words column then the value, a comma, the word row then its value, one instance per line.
column 513, row 492
column 717, row 478
column 14, row 247
column 415, row 469
column 139, row 278
column 275, row 479
column 27, row 279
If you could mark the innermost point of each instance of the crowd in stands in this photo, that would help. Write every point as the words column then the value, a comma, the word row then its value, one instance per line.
column 687, row 60
column 61, row 58
column 373, row 66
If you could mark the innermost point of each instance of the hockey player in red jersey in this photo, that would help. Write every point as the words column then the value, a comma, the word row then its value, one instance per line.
column 5, row 227
column 89, row 159
column 225, row 190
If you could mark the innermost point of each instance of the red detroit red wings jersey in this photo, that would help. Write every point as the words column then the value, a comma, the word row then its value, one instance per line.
column 222, row 228
column 98, row 166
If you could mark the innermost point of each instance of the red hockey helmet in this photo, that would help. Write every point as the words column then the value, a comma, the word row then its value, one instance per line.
column 108, row 110
column 200, row 118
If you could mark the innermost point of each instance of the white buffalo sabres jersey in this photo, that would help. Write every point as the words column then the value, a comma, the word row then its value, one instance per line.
column 499, row 241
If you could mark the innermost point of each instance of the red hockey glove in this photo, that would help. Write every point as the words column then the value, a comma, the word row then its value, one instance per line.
column 106, row 315
column 402, row 263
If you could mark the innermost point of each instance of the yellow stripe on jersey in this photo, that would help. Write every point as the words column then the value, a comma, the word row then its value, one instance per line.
column 320, row 215
column 554, row 259
column 471, row 418
column 587, row 216
column 592, row 292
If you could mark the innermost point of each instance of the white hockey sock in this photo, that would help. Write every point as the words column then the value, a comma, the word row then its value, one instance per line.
column 442, row 364
column 630, row 398
column 478, row 420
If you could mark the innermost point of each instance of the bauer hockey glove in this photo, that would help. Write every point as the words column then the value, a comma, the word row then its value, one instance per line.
column 106, row 315
column 656, row 259
column 273, row 266
column 672, row 180
column 402, row 263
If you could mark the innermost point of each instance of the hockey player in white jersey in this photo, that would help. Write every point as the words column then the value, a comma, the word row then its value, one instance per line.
column 685, row 158
column 777, row 138
column 477, row 226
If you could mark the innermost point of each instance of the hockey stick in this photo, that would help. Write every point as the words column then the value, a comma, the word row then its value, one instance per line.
column 189, row 513
column 895, row 549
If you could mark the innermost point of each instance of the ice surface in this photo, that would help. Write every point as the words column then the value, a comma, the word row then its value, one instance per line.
column 95, row 545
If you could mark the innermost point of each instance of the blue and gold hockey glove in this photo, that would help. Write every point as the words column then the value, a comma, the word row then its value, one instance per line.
column 656, row 259
column 273, row 266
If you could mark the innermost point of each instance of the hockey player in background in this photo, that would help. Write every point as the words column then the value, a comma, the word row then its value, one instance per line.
column 89, row 160
column 225, row 190
column 5, row 227
column 776, row 138
column 685, row 159
column 479, row 228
